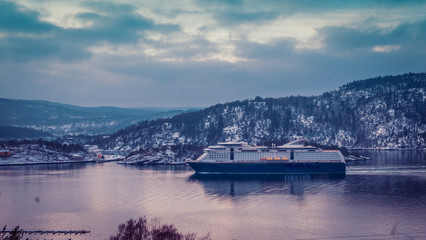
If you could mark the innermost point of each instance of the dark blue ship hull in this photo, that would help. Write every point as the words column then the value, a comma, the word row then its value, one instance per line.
column 266, row 168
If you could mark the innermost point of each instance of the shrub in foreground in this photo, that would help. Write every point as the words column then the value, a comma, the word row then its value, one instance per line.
column 141, row 229
column 15, row 234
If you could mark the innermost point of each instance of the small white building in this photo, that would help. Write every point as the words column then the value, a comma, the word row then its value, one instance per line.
column 77, row 157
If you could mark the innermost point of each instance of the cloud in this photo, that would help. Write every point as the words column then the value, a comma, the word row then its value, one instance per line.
column 123, row 28
column 197, row 48
column 348, row 54
column 22, row 49
column 110, row 8
column 220, row 3
column 16, row 20
column 89, row 16
column 118, row 24
column 278, row 49
column 315, row 5
column 252, row 9
column 341, row 39
column 386, row 48
column 240, row 17
column 176, row 53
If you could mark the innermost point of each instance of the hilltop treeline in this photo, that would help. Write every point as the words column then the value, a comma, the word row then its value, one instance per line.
column 383, row 112
column 51, row 145
column 10, row 132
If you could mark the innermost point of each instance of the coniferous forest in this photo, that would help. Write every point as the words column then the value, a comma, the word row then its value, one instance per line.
column 382, row 112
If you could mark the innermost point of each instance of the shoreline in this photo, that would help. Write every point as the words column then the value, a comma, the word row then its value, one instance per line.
column 151, row 164
column 41, row 163
column 90, row 161
column 171, row 163
column 385, row 149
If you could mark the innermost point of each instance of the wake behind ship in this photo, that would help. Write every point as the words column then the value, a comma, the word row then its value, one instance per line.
column 293, row 157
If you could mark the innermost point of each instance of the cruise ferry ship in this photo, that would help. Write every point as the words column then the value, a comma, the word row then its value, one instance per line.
column 293, row 157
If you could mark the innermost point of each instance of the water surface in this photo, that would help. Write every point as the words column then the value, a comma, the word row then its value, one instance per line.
column 374, row 200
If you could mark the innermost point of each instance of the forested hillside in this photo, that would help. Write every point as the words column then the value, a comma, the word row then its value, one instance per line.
column 382, row 112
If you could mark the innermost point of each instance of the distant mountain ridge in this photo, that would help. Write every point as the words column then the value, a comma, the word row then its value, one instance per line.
column 61, row 119
column 382, row 112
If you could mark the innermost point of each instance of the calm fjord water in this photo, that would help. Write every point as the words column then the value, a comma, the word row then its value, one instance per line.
column 374, row 199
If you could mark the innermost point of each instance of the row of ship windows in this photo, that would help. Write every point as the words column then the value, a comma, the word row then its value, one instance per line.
column 280, row 153
column 255, row 156
column 218, row 155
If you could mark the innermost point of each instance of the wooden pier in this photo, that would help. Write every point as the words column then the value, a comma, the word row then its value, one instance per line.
column 42, row 232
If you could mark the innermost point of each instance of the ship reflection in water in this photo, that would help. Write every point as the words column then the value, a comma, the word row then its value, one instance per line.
column 244, row 185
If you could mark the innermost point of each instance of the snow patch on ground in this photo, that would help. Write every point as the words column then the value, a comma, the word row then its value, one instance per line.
column 35, row 154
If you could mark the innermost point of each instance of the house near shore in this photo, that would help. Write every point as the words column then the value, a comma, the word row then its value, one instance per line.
column 4, row 153
column 77, row 157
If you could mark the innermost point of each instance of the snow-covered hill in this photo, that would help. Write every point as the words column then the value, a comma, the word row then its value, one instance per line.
column 36, row 152
column 383, row 112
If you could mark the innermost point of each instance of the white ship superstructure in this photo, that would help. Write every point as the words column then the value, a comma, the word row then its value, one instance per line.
column 293, row 157
column 290, row 152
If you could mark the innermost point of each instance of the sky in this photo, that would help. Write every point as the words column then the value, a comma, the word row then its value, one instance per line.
column 174, row 53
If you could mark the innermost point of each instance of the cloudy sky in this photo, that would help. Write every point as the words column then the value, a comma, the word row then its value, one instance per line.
column 133, row 53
